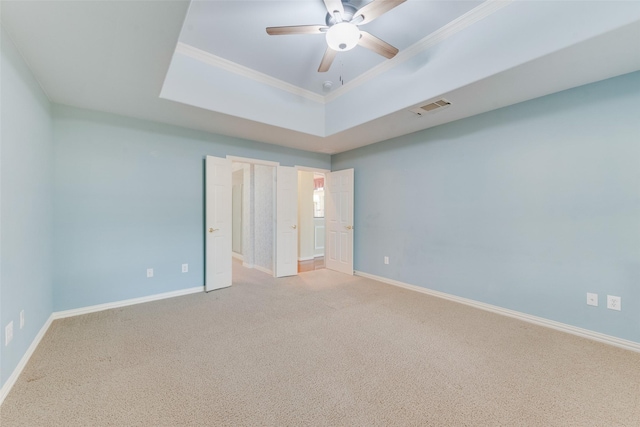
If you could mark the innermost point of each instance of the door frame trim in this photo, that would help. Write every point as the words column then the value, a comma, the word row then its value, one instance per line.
column 254, row 161
column 309, row 169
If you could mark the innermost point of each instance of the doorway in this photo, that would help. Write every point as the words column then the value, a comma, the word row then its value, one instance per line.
column 311, row 221
column 253, row 214
column 276, row 209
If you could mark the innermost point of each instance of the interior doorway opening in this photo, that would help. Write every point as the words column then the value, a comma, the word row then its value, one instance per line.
column 277, row 209
column 311, row 237
column 253, row 194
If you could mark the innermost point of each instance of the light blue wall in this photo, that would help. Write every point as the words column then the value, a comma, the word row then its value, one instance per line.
column 528, row 207
column 26, row 207
column 129, row 196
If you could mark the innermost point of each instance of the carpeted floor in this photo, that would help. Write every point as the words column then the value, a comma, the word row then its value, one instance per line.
column 319, row 349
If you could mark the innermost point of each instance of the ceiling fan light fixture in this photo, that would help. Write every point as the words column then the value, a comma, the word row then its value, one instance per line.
column 343, row 36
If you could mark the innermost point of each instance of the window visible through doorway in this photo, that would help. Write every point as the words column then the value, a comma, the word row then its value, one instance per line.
column 318, row 196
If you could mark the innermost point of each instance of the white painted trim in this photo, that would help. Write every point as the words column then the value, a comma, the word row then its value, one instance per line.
column 253, row 161
column 241, row 70
column 124, row 303
column 476, row 14
column 306, row 258
column 237, row 256
column 558, row 326
column 6, row 388
column 247, row 265
column 264, row 270
column 310, row 169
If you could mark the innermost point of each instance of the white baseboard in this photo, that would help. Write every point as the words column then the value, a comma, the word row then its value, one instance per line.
column 264, row 270
column 6, row 388
column 124, row 303
column 306, row 258
column 563, row 327
column 237, row 256
column 247, row 265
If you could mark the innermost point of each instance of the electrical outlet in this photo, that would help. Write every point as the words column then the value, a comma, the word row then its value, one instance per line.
column 592, row 299
column 614, row 303
column 149, row 272
column 21, row 319
column 185, row 268
column 386, row 260
column 8, row 333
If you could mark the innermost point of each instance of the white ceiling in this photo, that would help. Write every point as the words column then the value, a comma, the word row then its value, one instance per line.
column 211, row 66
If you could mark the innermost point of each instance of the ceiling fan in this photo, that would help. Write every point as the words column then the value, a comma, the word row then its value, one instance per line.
column 341, row 29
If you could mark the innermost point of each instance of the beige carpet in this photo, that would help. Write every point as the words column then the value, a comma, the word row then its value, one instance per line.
column 320, row 349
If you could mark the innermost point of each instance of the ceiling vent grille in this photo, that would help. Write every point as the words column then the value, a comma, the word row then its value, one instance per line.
column 431, row 107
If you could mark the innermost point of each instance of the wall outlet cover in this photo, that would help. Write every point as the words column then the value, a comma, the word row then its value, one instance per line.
column 8, row 333
column 21, row 319
column 149, row 272
column 614, row 302
column 185, row 268
column 386, row 260
column 592, row 299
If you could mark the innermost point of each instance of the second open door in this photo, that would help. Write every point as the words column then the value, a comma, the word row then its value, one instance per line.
column 339, row 221
column 287, row 222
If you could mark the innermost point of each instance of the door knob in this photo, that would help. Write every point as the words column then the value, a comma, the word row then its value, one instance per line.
column 348, row 227
column 211, row 230
column 294, row 226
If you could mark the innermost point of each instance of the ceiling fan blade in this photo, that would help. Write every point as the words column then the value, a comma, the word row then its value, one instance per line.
column 371, row 11
column 296, row 29
column 327, row 60
column 378, row 46
column 334, row 6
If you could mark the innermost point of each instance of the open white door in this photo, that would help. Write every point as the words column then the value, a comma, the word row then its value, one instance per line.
column 218, row 231
column 287, row 222
column 339, row 221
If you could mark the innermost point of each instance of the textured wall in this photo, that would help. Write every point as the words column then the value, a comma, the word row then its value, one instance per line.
column 248, row 229
column 306, row 229
column 237, row 179
column 528, row 207
column 264, row 216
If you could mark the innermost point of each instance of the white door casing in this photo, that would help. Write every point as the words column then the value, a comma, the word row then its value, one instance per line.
column 218, row 230
column 287, row 221
column 339, row 221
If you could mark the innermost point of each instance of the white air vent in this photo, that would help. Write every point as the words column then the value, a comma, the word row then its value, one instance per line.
column 431, row 107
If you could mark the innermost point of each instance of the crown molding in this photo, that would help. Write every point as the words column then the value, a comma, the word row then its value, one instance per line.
column 241, row 70
column 476, row 14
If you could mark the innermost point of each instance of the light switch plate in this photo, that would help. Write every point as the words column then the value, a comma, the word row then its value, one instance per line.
column 592, row 299
column 185, row 268
column 149, row 272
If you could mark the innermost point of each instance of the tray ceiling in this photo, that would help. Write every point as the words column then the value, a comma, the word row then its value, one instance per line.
column 210, row 65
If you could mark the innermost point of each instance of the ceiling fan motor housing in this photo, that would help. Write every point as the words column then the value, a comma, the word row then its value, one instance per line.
column 349, row 11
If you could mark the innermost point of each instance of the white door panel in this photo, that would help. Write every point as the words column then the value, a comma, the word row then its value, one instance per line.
column 287, row 222
column 339, row 221
column 218, row 231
